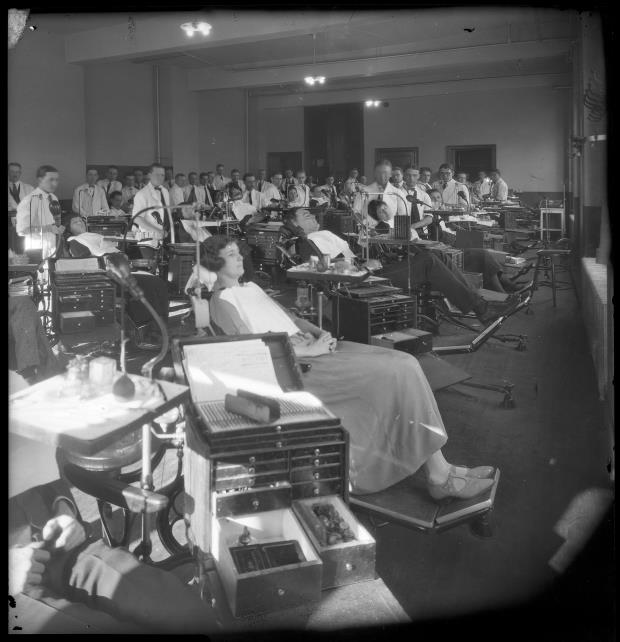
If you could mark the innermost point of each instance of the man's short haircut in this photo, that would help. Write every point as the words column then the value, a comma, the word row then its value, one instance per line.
column 15, row 165
column 232, row 171
column 153, row 166
column 426, row 169
column 210, row 172
column 446, row 166
column 247, row 175
column 113, row 167
column 138, row 169
column 496, row 171
column 130, row 175
column 44, row 169
column 354, row 169
column 299, row 171
column 219, row 165
column 203, row 174
column 413, row 167
column 179, row 176
column 394, row 169
column 383, row 161
column 434, row 191
column 114, row 193
column 91, row 169
column 66, row 221
column 193, row 174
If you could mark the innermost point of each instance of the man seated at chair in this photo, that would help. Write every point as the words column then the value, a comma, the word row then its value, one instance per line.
column 499, row 187
column 17, row 189
column 129, row 191
column 302, row 225
column 89, row 199
column 481, row 187
column 382, row 396
column 318, row 198
column 452, row 192
column 58, row 568
column 478, row 260
column 144, row 330
column 116, row 205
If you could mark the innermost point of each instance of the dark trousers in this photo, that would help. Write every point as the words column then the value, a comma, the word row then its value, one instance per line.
column 113, row 581
column 428, row 267
column 482, row 261
column 28, row 345
column 156, row 293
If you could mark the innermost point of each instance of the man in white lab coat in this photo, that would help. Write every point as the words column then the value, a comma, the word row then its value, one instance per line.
column 302, row 189
column 381, row 189
column 452, row 192
column 129, row 191
column 220, row 180
column 481, row 187
column 177, row 191
column 17, row 189
column 263, row 184
column 89, row 199
column 37, row 211
column 330, row 191
column 194, row 191
column 251, row 195
column 110, row 183
column 152, row 221
column 499, row 187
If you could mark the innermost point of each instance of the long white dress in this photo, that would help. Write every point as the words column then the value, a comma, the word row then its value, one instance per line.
column 381, row 396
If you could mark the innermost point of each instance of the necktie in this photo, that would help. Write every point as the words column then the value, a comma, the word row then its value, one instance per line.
column 260, row 186
column 108, row 188
column 15, row 192
column 163, row 202
column 192, row 195
column 250, row 196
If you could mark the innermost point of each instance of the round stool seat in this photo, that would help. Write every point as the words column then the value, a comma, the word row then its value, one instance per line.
column 124, row 452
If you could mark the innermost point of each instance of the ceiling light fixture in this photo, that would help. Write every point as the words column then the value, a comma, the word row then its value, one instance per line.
column 312, row 80
column 196, row 27
column 373, row 103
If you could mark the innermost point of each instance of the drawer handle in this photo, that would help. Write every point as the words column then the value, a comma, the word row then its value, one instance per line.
column 251, row 481
column 255, row 504
column 281, row 592
column 317, row 452
column 252, row 460
column 316, row 462
column 251, row 470
column 348, row 566
column 278, row 428
column 315, row 491
column 278, row 444
column 316, row 475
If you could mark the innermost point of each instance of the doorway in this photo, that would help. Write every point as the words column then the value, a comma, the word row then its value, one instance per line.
column 277, row 162
column 333, row 140
column 472, row 159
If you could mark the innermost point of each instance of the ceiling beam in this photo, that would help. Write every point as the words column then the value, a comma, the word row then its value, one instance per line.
column 161, row 34
column 212, row 78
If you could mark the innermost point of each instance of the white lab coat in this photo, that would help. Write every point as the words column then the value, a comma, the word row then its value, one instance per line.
column 147, row 197
column 199, row 190
column 449, row 193
column 499, row 190
column 33, row 212
column 24, row 190
column 331, row 189
column 128, row 193
column 220, row 182
column 177, row 194
column 271, row 192
column 392, row 197
column 116, row 186
column 254, row 198
column 303, row 196
column 89, row 201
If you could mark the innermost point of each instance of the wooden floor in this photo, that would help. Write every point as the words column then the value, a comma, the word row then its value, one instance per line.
column 552, row 450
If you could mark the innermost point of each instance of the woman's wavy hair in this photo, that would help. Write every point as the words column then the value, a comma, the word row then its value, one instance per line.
column 210, row 252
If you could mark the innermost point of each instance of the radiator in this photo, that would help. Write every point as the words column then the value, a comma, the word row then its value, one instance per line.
column 594, row 306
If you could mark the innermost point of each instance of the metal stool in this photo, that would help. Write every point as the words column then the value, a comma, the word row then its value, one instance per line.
column 545, row 261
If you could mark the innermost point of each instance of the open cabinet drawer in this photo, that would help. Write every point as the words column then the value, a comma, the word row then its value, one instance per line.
column 268, row 588
column 343, row 562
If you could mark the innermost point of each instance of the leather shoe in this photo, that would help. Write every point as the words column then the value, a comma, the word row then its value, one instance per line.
column 479, row 472
column 457, row 487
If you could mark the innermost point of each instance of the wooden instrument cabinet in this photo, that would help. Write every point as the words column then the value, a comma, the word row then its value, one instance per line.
column 263, row 480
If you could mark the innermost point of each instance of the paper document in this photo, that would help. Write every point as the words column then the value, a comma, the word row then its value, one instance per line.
column 214, row 369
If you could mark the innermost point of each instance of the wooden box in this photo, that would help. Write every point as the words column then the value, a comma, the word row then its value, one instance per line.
column 240, row 472
column 268, row 589
column 345, row 562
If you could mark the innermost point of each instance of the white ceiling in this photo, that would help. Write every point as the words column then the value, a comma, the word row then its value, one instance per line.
column 358, row 35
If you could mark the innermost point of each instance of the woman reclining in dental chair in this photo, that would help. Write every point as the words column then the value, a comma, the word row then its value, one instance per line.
column 382, row 396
